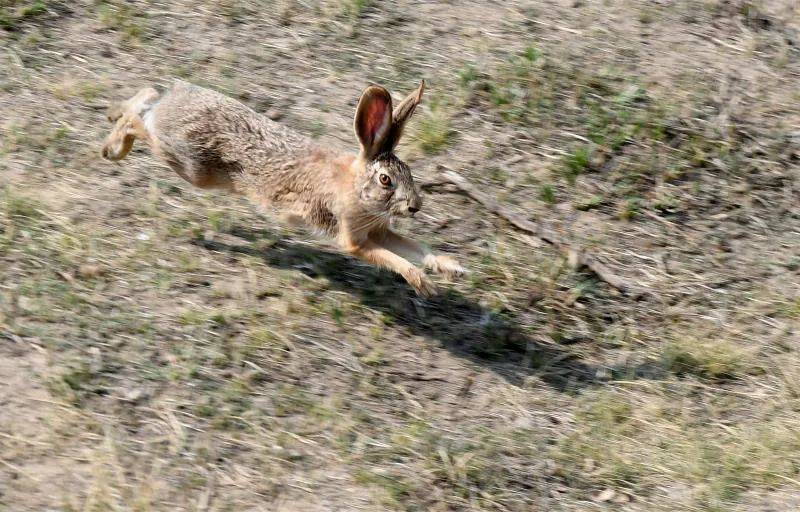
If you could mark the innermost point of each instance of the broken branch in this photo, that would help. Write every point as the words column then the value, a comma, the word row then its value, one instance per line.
column 576, row 257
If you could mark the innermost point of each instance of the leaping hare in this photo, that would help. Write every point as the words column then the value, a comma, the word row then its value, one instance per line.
column 213, row 141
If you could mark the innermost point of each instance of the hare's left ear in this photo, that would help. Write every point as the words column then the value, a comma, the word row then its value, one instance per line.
column 373, row 122
column 402, row 113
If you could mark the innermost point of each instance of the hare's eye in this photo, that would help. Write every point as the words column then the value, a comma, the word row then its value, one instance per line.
column 386, row 181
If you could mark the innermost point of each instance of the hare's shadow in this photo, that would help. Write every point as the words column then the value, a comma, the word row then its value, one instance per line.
column 457, row 323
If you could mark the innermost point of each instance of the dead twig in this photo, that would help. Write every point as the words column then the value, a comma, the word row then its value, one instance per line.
column 577, row 257
column 714, row 40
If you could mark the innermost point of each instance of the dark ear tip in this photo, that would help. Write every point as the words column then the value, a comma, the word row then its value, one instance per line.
column 376, row 90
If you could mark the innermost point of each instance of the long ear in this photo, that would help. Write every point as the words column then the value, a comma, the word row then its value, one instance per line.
column 403, row 112
column 373, row 122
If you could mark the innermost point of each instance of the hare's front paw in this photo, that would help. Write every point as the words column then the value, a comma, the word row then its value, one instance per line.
column 420, row 282
column 444, row 265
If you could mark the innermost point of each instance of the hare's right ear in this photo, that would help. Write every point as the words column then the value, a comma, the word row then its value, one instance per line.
column 402, row 113
column 373, row 122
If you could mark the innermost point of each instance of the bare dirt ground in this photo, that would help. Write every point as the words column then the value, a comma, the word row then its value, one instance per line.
column 163, row 348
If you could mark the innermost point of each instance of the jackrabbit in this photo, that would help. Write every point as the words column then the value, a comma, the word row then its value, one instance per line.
column 213, row 141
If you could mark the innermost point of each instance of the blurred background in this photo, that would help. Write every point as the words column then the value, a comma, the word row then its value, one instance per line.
column 165, row 348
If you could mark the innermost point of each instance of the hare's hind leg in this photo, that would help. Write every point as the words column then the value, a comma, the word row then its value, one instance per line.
column 128, row 124
column 136, row 104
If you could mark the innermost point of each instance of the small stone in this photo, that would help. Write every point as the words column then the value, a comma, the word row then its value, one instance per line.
column 604, row 495
column 621, row 498
column 535, row 296
column 274, row 114
column 551, row 468
column 26, row 303
column 67, row 276
column 89, row 270
column 598, row 159
column 134, row 395
column 96, row 363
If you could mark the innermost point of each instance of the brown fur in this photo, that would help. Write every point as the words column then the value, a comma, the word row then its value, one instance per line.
column 213, row 141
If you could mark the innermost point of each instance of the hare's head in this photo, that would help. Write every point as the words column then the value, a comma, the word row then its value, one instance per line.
column 384, row 182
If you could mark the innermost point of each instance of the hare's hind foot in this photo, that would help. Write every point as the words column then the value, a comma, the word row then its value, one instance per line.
column 120, row 141
column 128, row 124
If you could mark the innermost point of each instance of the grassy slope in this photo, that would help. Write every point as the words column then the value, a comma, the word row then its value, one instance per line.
column 169, row 349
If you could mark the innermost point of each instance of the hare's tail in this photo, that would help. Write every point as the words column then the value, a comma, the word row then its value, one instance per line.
column 128, row 123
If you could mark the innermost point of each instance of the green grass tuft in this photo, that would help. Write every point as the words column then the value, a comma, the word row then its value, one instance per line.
column 547, row 194
column 434, row 132
column 713, row 360
column 18, row 206
column 576, row 163
column 354, row 8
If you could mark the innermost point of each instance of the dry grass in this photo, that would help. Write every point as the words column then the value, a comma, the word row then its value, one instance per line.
column 163, row 348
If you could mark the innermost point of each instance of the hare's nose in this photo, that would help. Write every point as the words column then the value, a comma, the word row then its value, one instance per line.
column 414, row 204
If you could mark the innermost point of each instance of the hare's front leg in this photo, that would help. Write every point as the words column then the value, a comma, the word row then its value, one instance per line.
column 375, row 253
column 414, row 251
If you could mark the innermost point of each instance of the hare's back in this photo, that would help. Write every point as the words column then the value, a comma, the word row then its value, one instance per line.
column 195, row 117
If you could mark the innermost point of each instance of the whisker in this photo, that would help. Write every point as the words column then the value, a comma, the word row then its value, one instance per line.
column 365, row 223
